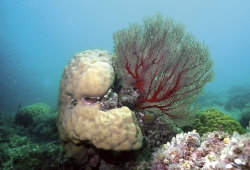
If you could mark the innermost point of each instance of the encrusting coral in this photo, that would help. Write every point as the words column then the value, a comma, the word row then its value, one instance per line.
column 157, row 129
column 215, row 150
column 82, row 117
column 211, row 119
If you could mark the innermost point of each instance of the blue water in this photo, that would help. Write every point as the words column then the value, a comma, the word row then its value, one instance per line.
column 38, row 37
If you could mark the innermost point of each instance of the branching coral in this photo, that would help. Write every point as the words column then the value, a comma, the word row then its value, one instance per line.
column 167, row 66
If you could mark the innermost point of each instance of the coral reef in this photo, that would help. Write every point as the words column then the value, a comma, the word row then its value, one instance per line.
column 22, row 148
column 167, row 66
column 128, row 97
column 109, row 101
column 22, row 154
column 44, row 128
column 237, row 153
column 215, row 150
column 245, row 117
column 156, row 129
column 239, row 98
column 84, row 118
column 212, row 99
column 5, row 128
column 25, row 116
column 19, row 150
column 210, row 120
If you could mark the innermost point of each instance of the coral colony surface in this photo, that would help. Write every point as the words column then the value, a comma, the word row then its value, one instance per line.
column 210, row 119
column 85, row 81
column 129, row 110
column 215, row 150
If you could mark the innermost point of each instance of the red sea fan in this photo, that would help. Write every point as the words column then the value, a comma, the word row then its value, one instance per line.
column 167, row 66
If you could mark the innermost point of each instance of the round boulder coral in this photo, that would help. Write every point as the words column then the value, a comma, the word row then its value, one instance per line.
column 210, row 120
column 88, row 74
column 83, row 119
column 25, row 116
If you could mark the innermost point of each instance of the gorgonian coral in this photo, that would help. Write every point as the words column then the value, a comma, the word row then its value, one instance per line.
column 167, row 66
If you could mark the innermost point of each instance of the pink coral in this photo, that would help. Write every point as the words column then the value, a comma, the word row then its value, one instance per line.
column 216, row 150
column 167, row 66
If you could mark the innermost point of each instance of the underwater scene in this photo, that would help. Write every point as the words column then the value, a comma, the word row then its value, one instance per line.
column 124, row 85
